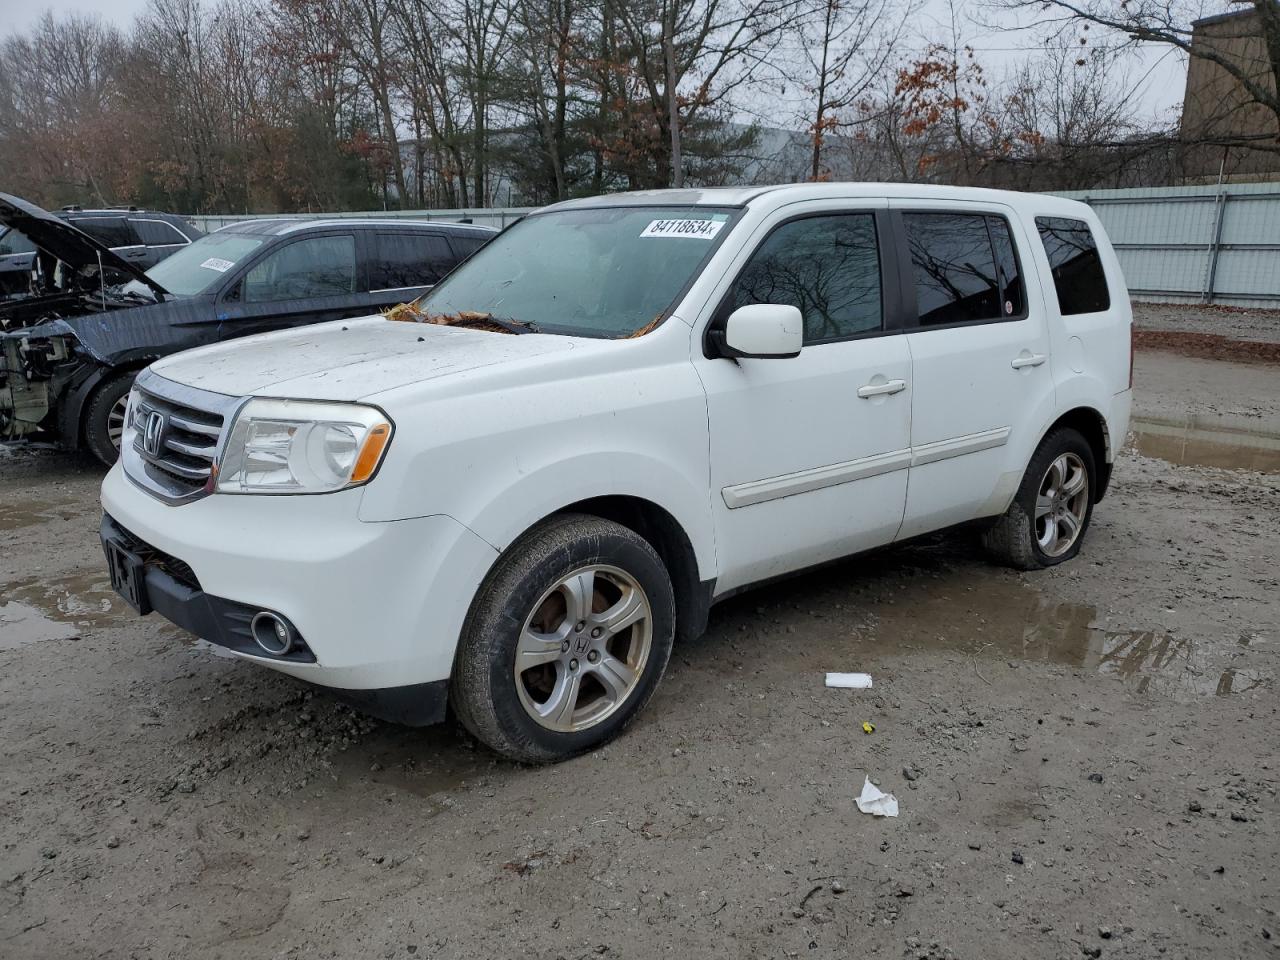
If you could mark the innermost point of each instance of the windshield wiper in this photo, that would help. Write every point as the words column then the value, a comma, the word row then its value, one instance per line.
column 514, row 325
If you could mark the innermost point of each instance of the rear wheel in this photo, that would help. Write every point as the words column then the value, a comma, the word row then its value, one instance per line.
column 1048, row 518
column 566, row 641
column 104, row 417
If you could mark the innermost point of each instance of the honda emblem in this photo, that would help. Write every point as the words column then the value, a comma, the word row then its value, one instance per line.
column 152, row 433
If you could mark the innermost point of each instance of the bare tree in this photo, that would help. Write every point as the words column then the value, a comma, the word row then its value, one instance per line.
column 846, row 46
column 1248, row 52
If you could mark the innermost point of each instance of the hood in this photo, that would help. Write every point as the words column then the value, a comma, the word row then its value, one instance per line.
column 350, row 359
column 69, row 244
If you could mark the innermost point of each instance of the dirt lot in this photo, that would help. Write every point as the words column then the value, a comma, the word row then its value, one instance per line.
column 1086, row 759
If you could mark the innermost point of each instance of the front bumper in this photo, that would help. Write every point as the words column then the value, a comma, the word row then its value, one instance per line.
column 378, row 605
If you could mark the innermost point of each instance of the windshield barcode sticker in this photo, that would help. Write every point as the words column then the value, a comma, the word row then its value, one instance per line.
column 694, row 229
column 217, row 263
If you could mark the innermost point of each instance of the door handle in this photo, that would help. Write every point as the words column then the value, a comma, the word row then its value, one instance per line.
column 881, row 389
column 1030, row 360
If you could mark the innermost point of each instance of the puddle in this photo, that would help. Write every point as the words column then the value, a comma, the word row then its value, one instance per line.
column 1236, row 445
column 34, row 609
column 21, row 623
column 898, row 602
column 14, row 516
column 1005, row 620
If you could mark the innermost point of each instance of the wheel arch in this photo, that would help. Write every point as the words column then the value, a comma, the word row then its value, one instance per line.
column 1092, row 425
column 71, row 412
column 667, row 536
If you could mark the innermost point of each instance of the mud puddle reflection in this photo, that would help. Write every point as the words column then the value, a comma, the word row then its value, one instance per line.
column 1233, row 444
column 32, row 610
column 1005, row 620
column 919, row 599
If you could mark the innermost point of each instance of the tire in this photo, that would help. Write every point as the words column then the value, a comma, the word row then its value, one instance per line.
column 542, row 714
column 1026, row 541
column 104, row 415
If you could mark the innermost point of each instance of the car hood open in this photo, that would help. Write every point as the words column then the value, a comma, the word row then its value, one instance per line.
column 67, row 243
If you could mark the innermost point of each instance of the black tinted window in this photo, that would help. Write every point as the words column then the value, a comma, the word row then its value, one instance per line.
column 108, row 231
column 963, row 267
column 465, row 244
column 1077, row 269
column 409, row 260
column 157, row 233
column 827, row 266
column 317, row 267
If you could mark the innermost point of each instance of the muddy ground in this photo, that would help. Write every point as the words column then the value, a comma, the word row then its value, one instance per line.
column 1086, row 758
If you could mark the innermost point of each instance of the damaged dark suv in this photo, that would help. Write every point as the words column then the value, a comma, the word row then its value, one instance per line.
column 68, row 355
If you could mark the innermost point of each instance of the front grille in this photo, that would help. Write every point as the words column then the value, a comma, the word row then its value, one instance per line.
column 176, row 435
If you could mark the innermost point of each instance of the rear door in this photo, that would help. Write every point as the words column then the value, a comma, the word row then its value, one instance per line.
column 405, row 264
column 809, row 454
column 298, row 281
column 982, row 384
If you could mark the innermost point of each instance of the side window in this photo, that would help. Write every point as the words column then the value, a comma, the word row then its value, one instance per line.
column 108, row 231
column 1078, row 276
column 409, row 260
column 11, row 241
column 157, row 233
column 316, row 267
column 964, row 268
column 465, row 244
column 828, row 266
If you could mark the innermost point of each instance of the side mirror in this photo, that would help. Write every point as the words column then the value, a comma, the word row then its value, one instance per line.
column 761, row 331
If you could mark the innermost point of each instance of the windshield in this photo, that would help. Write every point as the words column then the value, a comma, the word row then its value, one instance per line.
column 598, row 273
column 194, row 269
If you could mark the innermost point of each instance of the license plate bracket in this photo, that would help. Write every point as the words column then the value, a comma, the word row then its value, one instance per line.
column 128, row 575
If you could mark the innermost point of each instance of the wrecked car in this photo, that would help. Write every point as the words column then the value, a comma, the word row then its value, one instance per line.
column 143, row 237
column 69, row 355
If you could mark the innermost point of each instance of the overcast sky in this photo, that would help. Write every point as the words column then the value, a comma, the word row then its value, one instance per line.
column 1160, row 73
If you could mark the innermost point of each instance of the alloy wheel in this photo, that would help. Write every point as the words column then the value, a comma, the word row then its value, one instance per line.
column 583, row 649
column 1061, row 504
column 115, row 421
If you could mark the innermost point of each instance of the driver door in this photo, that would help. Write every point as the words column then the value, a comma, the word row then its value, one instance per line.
column 809, row 454
column 308, row 280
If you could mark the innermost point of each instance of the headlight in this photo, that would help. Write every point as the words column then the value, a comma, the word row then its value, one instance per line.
column 130, row 414
column 302, row 446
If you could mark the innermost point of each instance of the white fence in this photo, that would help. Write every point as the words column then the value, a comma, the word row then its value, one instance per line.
column 1206, row 244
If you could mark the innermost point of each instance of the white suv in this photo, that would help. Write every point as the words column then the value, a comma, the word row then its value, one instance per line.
column 621, row 410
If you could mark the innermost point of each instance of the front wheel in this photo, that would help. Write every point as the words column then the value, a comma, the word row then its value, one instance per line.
column 1048, row 518
column 566, row 641
column 104, row 417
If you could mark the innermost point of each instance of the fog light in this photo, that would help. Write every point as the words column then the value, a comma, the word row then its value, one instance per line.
column 272, row 633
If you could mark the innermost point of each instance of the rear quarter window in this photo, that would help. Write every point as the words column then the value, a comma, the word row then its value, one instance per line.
column 157, row 233
column 403, row 260
column 1078, row 277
